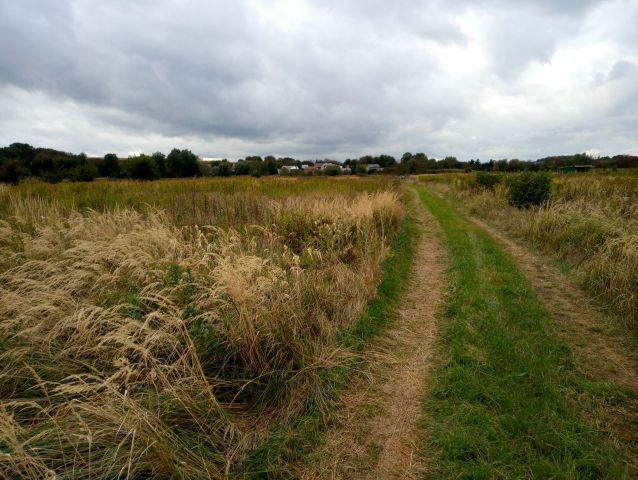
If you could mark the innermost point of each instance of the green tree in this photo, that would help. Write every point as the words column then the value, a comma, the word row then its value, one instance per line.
column 111, row 166
column 242, row 167
column 223, row 169
column 160, row 163
column 9, row 171
column 182, row 163
column 83, row 172
column 270, row 165
column 140, row 167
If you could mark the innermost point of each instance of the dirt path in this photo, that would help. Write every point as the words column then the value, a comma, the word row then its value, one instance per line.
column 602, row 351
column 376, row 429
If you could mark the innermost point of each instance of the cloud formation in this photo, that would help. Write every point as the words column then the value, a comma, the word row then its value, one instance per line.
column 483, row 79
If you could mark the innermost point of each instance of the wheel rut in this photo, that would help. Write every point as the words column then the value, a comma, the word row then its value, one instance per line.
column 601, row 349
column 376, row 430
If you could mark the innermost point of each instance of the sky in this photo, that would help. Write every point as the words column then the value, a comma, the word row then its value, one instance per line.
column 321, row 79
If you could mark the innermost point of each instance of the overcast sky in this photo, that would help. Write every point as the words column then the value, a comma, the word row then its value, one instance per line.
column 324, row 78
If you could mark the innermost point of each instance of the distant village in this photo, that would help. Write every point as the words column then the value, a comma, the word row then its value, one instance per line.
column 325, row 168
column 20, row 161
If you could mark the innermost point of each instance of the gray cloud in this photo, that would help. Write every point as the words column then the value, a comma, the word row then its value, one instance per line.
column 320, row 78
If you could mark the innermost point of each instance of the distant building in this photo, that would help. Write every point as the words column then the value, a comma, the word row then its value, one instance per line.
column 373, row 167
column 288, row 169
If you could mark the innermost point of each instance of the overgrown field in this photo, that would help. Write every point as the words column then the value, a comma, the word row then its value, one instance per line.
column 165, row 329
column 590, row 222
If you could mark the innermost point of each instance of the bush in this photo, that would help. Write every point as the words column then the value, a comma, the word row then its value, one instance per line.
column 85, row 172
column 9, row 171
column 140, row 167
column 486, row 180
column 528, row 189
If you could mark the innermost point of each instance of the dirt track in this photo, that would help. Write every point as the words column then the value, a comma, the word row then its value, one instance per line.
column 601, row 350
column 376, row 431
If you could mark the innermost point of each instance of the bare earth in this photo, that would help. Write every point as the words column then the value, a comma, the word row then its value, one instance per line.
column 601, row 349
column 376, row 430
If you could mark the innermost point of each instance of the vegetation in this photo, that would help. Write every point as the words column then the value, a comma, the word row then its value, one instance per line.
column 20, row 160
column 498, row 406
column 287, row 450
column 528, row 189
column 170, row 330
column 486, row 180
column 589, row 222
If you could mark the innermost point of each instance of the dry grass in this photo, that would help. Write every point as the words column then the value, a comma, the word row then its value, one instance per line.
column 133, row 344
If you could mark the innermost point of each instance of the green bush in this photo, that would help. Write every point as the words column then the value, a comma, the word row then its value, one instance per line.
column 486, row 180
column 528, row 189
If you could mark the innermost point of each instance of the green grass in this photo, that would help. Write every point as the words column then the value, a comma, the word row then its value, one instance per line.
column 292, row 444
column 503, row 400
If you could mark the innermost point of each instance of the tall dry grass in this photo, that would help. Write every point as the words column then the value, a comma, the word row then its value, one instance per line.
column 136, row 346
column 590, row 221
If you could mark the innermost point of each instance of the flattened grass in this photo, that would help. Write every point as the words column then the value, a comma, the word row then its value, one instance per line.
column 502, row 401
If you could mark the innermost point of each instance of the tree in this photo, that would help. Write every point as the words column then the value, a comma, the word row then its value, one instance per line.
column 405, row 157
column 22, row 152
column 141, row 167
column 9, row 171
column 332, row 171
column 270, row 165
column 242, row 167
column 83, row 172
column 182, row 163
column 111, row 166
column 222, row 169
column 385, row 161
column 160, row 163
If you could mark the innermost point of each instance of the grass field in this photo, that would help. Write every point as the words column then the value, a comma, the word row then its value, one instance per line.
column 499, row 405
column 165, row 329
column 209, row 328
column 590, row 223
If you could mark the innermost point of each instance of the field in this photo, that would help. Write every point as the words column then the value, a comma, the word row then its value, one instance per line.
column 590, row 223
column 165, row 328
column 318, row 328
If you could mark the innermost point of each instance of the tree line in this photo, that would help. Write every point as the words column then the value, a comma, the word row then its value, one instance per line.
column 21, row 160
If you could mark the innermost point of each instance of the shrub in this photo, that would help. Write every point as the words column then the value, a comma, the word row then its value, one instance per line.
column 486, row 180
column 140, row 167
column 332, row 171
column 528, row 189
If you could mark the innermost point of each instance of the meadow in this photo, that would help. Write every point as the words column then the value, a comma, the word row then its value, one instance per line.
column 166, row 329
column 590, row 224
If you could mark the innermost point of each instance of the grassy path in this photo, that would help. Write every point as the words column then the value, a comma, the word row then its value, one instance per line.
column 375, row 435
column 503, row 403
column 604, row 353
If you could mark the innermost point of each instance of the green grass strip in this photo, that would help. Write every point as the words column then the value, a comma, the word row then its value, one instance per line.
column 503, row 401
column 292, row 444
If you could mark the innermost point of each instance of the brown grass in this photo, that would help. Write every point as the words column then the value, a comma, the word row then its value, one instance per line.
column 131, row 346
column 376, row 432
